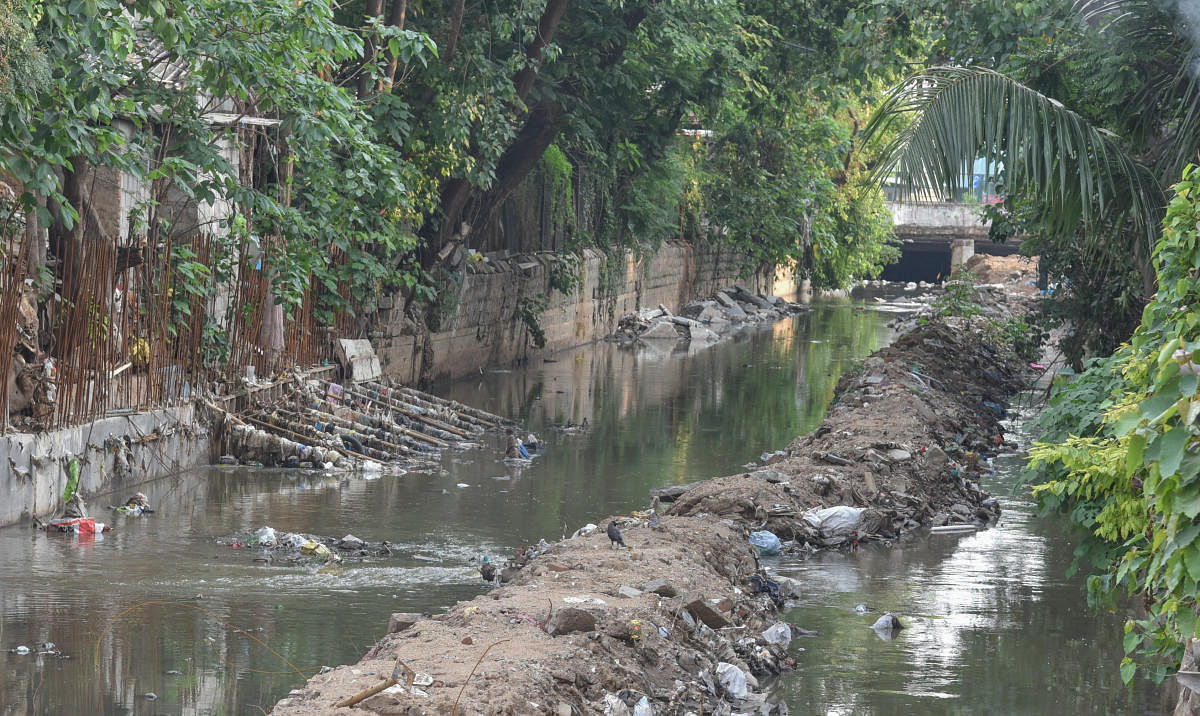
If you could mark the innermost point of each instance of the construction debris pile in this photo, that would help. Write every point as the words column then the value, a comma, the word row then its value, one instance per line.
column 366, row 425
column 704, row 322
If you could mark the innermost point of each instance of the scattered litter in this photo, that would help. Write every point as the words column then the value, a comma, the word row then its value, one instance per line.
column 22, row 650
column 583, row 600
column 462, row 484
column 766, row 542
column 944, row 529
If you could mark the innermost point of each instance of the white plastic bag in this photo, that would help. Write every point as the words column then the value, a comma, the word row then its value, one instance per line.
column 733, row 680
column 780, row 634
column 836, row 521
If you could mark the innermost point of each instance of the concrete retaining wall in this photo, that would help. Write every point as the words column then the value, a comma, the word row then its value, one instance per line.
column 486, row 329
column 161, row 442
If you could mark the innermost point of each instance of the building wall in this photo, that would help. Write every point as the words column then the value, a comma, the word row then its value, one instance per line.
column 161, row 442
column 486, row 329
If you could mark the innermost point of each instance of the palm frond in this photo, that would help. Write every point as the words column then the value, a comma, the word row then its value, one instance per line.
column 950, row 116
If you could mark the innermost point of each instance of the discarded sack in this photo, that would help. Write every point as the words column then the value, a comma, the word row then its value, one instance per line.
column 766, row 542
column 732, row 680
column 78, row 525
column 837, row 521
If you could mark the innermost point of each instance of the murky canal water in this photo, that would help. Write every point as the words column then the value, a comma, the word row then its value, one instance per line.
column 157, row 606
column 992, row 625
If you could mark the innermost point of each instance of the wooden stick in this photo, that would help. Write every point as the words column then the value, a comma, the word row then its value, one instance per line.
column 366, row 693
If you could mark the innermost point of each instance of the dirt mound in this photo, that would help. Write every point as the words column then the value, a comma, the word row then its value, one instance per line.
column 582, row 628
column 1018, row 274
column 906, row 440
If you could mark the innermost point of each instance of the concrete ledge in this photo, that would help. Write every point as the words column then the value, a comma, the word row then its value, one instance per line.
column 160, row 443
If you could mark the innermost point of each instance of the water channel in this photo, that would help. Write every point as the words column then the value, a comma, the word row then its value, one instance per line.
column 157, row 606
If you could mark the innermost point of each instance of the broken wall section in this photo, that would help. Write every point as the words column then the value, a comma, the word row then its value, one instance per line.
column 160, row 443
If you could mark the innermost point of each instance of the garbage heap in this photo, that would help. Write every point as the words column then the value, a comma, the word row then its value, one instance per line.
column 365, row 425
column 703, row 322
column 903, row 446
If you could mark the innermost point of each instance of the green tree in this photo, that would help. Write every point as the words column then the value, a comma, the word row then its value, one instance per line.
column 1083, row 175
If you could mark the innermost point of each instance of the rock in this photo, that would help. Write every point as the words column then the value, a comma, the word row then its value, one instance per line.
column 672, row 493
column 702, row 334
column 960, row 509
column 661, row 587
column 556, row 567
column 897, row 455
column 569, row 620
column 936, row 457
column 788, row 588
column 724, row 299
column 772, row 476
column 400, row 621
column 629, row 592
column 663, row 331
column 563, row 709
column 775, row 301
column 468, row 640
column 696, row 309
column 700, row 609
column 887, row 622
column 350, row 542
column 757, row 301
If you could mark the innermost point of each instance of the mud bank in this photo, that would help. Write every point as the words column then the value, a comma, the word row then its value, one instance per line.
column 587, row 628
column 903, row 445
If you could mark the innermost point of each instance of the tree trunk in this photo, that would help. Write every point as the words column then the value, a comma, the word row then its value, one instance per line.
column 374, row 10
column 396, row 19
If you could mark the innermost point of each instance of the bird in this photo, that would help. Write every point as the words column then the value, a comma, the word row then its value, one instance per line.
column 614, row 535
column 487, row 570
column 654, row 523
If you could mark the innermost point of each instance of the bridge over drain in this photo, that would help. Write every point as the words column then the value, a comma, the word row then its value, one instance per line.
column 937, row 236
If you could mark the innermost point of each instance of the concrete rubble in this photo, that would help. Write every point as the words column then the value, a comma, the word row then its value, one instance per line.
column 705, row 322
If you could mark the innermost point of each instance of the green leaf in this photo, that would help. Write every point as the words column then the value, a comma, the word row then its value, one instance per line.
column 1170, row 451
column 1128, row 669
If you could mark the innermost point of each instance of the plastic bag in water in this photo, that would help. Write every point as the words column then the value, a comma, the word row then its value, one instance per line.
column 766, row 542
column 780, row 634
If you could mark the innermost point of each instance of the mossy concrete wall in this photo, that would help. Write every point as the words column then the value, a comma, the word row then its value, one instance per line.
column 485, row 328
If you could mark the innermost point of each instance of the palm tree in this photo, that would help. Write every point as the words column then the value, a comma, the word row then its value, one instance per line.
column 1088, row 183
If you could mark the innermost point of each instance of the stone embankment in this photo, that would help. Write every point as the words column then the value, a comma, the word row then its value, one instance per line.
column 684, row 619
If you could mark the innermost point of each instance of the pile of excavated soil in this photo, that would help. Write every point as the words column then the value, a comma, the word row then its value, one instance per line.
column 1018, row 274
column 906, row 439
column 583, row 628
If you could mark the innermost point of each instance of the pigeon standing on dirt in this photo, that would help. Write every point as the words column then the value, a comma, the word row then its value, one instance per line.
column 614, row 535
